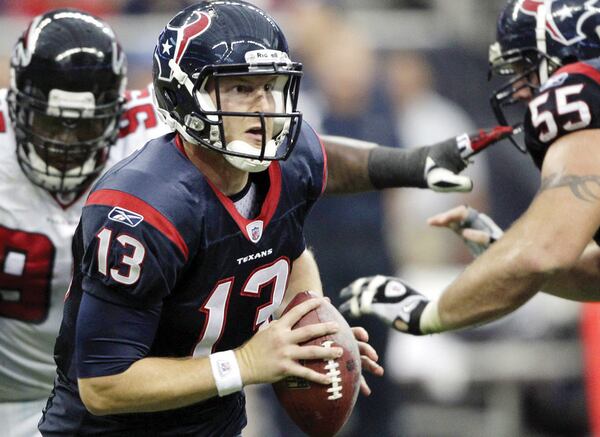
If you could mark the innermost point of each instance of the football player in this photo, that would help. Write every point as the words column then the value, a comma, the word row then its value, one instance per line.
column 63, row 120
column 550, row 50
column 187, row 249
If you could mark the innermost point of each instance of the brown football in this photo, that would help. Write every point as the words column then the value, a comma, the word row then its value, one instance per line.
column 321, row 410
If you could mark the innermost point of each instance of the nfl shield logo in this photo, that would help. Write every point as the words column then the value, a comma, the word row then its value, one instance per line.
column 254, row 230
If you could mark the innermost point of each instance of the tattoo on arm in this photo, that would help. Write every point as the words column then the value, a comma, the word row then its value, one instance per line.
column 581, row 186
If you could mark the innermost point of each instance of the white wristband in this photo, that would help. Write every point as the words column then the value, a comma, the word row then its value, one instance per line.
column 430, row 322
column 226, row 372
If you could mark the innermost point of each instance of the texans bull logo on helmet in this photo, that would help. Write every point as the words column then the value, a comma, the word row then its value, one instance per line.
column 177, row 40
column 559, row 22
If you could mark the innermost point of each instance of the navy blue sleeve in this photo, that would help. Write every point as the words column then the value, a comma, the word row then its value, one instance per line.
column 315, row 158
column 132, row 254
column 110, row 337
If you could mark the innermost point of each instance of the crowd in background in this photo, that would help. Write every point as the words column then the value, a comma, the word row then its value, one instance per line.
column 407, row 98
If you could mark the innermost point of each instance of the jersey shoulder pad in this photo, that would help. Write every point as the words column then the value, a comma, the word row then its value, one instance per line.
column 567, row 102
column 309, row 159
column 138, row 232
column 139, row 123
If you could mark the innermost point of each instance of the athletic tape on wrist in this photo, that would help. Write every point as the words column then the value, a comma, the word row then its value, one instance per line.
column 430, row 322
column 226, row 372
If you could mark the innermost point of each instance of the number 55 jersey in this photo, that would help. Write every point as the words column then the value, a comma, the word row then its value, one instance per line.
column 569, row 101
column 36, row 231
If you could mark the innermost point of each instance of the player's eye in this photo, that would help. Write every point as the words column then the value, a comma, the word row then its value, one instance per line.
column 243, row 89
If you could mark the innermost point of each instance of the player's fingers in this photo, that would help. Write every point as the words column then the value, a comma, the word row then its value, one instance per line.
column 364, row 387
column 300, row 371
column 446, row 218
column 355, row 287
column 308, row 332
column 346, row 307
column 296, row 313
column 367, row 350
column 371, row 366
column 479, row 237
column 313, row 352
column 360, row 333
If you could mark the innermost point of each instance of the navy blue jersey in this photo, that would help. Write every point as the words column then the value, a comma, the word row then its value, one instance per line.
column 567, row 102
column 158, row 241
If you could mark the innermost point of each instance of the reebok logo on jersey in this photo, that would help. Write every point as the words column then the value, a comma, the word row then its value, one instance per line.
column 126, row 217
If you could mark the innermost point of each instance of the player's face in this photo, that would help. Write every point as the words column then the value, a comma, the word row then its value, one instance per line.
column 64, row 152
column 523, row 87
column 246, row 94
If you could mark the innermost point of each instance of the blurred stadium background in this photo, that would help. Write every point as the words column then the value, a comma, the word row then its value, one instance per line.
column 402, row 73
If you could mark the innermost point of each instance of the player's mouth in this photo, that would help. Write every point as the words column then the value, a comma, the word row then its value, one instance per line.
column 255, row 134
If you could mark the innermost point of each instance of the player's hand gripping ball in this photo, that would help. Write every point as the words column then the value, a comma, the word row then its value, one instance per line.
column 317, row 409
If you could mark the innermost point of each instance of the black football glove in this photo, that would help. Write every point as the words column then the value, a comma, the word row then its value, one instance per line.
column 450, row 157
column 389, row 298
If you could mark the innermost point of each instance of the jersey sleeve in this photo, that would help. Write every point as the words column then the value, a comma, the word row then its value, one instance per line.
column 132, row 253
column 316, row 160
column 139, row 123
column 568, row 102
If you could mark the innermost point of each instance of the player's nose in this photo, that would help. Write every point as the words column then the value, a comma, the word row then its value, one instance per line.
column 522, row 91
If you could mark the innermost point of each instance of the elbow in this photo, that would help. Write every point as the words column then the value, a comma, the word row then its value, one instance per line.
column 95, row 396
column 546, row 261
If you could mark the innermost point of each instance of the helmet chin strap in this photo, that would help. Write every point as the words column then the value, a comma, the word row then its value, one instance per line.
column 247, row 164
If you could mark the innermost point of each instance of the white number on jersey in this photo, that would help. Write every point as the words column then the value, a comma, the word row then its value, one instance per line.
column 579, row 108
column 215, row 307
column 132, row 262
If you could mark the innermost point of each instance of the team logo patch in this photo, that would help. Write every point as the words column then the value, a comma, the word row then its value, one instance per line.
column 255, row 230
column 125, row 216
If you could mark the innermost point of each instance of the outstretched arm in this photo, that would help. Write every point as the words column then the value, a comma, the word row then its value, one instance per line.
column 580, row 283
column 356, row 166
column 546, row 243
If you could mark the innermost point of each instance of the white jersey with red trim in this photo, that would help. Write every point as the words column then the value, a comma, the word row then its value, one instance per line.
column 35, row 255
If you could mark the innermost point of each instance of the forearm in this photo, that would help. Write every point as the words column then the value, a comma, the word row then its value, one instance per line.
column 355, row 166
column 150, row 384
column 502, row 279
column 304, row 276
column 487, row 290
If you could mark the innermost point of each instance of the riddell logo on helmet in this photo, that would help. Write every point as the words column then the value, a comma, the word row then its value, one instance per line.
column 266, row 56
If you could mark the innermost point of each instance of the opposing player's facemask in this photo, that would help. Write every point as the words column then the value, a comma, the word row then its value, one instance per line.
column 61, row 153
